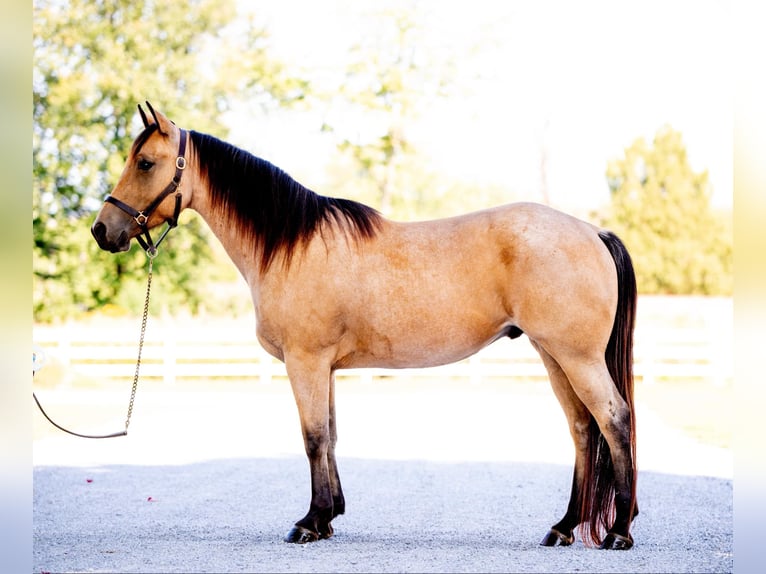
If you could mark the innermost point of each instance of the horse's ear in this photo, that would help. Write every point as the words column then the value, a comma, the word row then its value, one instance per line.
column 143, row 116
column 163, row 123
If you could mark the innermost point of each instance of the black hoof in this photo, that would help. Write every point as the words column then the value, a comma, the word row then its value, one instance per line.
column 326, row 532
column 617, row 542
column 556, row 538
column 300, row 535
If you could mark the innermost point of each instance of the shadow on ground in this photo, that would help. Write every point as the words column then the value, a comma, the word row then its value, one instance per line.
column 230, row 515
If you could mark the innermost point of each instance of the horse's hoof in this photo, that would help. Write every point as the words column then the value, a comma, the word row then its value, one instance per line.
column 615, row 541
column 326, row 533
column 300, row 535
column 556, row 538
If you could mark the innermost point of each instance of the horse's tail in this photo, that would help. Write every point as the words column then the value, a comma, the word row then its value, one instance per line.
column 597, row 503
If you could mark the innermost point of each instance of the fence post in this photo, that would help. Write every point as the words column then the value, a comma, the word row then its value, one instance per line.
column 169, row 354
column 366, row 375
column 474, row 369
column 721, row 341
column 264, row 367
column 64, row 335
column 649, row 361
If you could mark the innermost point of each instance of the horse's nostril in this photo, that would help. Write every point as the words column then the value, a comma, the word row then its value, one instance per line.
column 99, row 231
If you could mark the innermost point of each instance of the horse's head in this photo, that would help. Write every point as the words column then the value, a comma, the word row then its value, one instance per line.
column 148, row 191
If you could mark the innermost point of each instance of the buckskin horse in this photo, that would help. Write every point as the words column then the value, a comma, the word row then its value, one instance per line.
column 337, row 285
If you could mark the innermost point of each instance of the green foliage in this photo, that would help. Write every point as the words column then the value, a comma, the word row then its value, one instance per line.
column 661, row 209
column 391, row 79
column 94, row 61
column 394, row 77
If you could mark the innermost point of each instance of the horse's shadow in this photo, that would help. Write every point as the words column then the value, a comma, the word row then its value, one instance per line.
column 231, row 514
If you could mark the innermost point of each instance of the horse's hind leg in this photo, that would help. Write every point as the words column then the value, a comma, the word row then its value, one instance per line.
column 609, row 480
column 338, row 500
column 578, row 417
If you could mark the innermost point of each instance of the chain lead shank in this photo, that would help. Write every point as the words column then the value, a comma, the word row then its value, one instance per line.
column 151, row 255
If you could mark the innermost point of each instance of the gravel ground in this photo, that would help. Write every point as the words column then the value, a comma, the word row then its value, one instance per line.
column 211, row 482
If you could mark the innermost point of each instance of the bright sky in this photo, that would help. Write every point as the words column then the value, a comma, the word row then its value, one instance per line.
column 581, row 79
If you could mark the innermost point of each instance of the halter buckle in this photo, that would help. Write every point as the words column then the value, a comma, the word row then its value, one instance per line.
column 141, row 219
column 181, row 162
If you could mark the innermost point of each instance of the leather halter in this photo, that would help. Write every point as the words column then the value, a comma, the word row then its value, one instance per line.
column 142, row 217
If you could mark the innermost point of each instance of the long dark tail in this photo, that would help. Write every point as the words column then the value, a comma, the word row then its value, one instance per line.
column 597, row 504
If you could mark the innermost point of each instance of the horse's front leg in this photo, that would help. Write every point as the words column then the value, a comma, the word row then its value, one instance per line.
column 312, row 390
column 338, row 500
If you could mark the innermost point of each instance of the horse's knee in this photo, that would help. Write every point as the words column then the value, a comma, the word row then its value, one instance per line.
column 316, row 442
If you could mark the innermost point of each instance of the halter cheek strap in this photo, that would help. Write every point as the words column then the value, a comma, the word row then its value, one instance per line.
column 142, row 217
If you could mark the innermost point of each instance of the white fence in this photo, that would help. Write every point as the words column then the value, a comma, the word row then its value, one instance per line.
column 676, row 338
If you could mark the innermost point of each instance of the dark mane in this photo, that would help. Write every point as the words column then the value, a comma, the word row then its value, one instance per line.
column 270, row 208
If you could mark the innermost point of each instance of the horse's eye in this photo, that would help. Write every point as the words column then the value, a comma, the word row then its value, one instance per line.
column 145, row 165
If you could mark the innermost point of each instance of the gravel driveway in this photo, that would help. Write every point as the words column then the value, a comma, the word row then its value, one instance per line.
column 466, row 479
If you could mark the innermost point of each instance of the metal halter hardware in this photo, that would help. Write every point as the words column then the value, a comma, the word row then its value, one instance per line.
column 142, row 217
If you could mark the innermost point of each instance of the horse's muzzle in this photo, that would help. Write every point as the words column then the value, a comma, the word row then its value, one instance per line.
column 121, row 243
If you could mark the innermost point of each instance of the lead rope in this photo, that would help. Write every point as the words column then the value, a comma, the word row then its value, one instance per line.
column 151, row 255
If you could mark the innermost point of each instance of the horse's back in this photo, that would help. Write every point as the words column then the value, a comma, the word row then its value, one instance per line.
column 520, row 246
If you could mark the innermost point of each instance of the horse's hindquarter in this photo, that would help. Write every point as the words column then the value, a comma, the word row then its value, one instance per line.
column 429, row 293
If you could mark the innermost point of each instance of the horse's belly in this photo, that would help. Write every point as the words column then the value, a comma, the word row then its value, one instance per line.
column 420, row 350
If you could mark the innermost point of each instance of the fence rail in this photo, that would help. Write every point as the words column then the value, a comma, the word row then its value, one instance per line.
column 185, row 350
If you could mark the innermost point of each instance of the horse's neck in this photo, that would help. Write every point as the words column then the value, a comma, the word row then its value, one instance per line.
column 242, row 253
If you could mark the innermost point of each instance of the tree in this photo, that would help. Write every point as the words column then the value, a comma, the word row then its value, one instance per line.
column 391, row 79
column 93, row 62
column 661, row 209
column 402, row 67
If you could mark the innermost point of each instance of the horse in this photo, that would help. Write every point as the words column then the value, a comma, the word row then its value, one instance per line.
column 337, row 285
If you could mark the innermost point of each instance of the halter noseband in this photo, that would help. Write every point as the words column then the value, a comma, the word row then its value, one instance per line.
column 142, row 217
